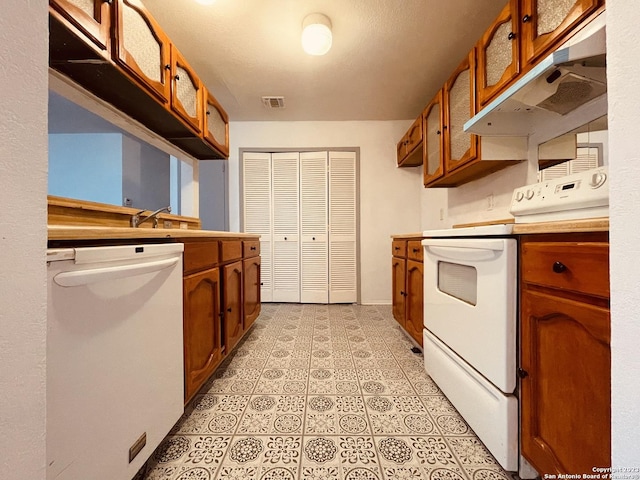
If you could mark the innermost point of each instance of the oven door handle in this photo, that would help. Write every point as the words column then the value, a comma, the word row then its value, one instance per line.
column 452, row 251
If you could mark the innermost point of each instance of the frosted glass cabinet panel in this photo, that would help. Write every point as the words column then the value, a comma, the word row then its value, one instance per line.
column 142, row 48
column 91, row 17
column 432, row 120
column 545, row 23
column 498, row 54
column 186, row 91
column 216, row 123
column 459, row 99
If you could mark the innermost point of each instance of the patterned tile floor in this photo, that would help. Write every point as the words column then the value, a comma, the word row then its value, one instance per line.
column 322, row 392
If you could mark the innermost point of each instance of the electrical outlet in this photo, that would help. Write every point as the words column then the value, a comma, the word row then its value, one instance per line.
column 490, row 202
column 127, row 202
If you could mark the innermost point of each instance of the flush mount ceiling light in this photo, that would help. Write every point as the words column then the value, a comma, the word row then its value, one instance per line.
column 316, row 34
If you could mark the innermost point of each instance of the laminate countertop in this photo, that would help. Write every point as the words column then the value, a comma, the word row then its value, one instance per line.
column 69, row 232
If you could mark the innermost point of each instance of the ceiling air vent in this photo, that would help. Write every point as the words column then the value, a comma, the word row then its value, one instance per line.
column 273, row 102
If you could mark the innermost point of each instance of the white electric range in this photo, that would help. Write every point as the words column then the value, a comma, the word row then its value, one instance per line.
column 470, row 308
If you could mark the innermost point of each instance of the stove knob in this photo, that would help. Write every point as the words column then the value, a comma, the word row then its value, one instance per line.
column 598, row 179
column 529, row 194
column 519, row 196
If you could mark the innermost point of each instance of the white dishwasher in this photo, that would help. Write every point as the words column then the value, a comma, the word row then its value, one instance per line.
column 114, row 357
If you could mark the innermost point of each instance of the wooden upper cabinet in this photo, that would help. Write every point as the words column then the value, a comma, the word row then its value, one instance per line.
column 142, row 48
column 432, row 120
column 91, row 17
column 409, row 147
column 546, row 22
column 215, row 123
column 499, row 54
column 459, row 103
column 186, row 91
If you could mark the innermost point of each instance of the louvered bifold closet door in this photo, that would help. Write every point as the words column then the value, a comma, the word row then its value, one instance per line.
column 257, row 215
column 314, row 248
column 286, row 235
column 342, row 228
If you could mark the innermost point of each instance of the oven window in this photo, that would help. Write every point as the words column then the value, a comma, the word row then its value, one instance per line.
column 459, row 281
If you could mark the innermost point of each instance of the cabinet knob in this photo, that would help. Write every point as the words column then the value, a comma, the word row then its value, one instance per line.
column 511, row 36
column 438, row 132
column 415, row 250
column 229, row 309
column 167, row 67
column 208, row 112
column 559, row 267
column 522, row 373
column 177, row 77
column 526, row 18
column 253, row 248
column 401, row 293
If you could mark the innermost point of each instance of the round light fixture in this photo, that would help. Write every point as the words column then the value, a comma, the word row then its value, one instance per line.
column 316, row 34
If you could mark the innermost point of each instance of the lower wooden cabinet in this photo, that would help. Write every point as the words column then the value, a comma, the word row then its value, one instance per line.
column 233, row 314
column 202, row 340
column 407, row 286
column 221, row 291
column 565, row 353
column 252, row 305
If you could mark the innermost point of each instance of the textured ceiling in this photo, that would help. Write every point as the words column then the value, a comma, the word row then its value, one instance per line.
column 388, row 58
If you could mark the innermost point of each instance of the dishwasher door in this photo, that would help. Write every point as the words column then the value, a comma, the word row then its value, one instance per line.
column 114, row 357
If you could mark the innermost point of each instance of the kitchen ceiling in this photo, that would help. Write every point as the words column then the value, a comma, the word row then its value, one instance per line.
column 388, row 59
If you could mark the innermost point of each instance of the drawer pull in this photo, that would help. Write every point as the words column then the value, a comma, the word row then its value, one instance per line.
column 253, row 248
column 396, row 248
column 559, row 267
column 415, row 250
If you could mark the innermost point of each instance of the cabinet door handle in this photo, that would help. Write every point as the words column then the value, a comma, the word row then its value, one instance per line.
column 401, row 293
column 229, row 309
column 522, row 373
column 438, row 132
column 559, row 267
column 177, row 77
column 167, row 67
column 253, row 248
column 511, row 36
column 526, row 18
column 415, row 250
column 208, row 112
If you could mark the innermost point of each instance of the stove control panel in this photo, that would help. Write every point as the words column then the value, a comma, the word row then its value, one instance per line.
column 576, row 196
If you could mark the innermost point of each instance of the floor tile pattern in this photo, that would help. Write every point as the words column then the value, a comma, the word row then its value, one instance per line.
column 322, row 392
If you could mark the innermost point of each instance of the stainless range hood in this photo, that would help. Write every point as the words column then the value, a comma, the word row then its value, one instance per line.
column 557, row 89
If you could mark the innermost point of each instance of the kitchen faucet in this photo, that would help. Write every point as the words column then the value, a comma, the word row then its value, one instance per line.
column 136, row 221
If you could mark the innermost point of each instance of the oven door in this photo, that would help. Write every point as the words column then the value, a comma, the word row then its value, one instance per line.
column 470, row 302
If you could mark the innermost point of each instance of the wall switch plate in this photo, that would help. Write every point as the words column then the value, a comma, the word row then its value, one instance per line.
column 127, row 202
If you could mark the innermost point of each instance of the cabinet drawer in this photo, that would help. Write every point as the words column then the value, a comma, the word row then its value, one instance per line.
column 414, row 250
column 230, row 250
column 399, row 248
column 250, row 248
column 200, row 255
column 574, row 266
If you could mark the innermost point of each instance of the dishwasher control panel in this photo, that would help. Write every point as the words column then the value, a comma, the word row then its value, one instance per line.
column 580, row 195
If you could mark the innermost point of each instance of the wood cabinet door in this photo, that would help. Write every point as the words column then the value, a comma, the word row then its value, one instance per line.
column 415, row 288
column 546, row 22
column 433, row 167
column 186, row 91
column 499, row 54
column 233, row 299
column 252, row 304
column 566, row 400
column 409, row 151
column 398, row 274
column 202, row 341
column 91, row 17
column 142, row 48
column 459, row 102
column 216, row 123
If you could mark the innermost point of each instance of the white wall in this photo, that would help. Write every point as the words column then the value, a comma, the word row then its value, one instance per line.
column 389, row 196
column 86, row 166
column 623, row 78
column 23, row 238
